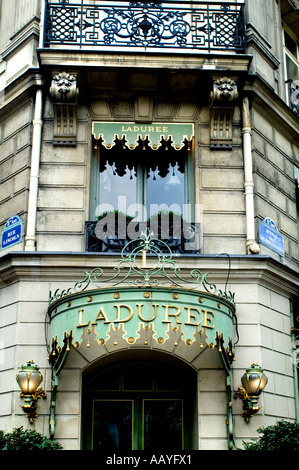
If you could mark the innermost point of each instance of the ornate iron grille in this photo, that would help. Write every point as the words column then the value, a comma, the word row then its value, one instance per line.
column 204, row 26
column 180, row 236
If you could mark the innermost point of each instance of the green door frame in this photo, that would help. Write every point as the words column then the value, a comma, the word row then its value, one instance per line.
column 138, row 398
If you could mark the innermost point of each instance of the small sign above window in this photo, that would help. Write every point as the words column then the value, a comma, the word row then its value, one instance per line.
column 109, row 132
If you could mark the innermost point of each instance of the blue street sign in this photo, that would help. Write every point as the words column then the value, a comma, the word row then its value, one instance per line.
column 270, row 237
column 12, row 232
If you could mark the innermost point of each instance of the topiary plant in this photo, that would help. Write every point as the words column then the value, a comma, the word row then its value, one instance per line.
column 26, row 439
column 283, row 436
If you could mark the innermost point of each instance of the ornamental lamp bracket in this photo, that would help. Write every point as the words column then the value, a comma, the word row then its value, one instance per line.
column 29, row 379
column 253, row 383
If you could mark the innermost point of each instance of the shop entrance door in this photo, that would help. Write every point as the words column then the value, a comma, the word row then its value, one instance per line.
column 124, row 425
column 147, row 407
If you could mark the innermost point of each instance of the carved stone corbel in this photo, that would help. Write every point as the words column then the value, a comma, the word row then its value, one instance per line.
column 64, row 93
column 222, row 105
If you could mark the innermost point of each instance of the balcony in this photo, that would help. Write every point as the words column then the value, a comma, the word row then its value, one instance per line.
column 174, row 27
column 112, row 236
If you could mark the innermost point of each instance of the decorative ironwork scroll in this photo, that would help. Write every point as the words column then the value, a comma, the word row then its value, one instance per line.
column 180, row 236
column 149, row 272
column 206, row 26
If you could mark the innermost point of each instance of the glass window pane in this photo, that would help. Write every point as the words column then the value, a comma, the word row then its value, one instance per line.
column 292, row 69
column 163, row 425
column 112, row 425
column 168, row 380
column 138, row 377
column 290, row 44
column 108, row 380
column 117, row 181
column 165, row 192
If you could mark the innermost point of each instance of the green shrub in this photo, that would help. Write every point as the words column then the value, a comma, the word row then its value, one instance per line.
column 25, row 439
column 283, row 436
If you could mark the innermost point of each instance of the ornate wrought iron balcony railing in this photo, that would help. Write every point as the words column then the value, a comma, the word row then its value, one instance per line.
column 182, row 237
column 180, row 26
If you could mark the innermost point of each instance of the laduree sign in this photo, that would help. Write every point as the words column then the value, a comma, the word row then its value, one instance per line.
column 12, row 232
column 145, row 309
column 132, row 132
column 142, row 315
column 141, row 305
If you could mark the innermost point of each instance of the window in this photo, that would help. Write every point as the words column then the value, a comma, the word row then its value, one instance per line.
column 143, row 181
column 291, row 55
column 148, row 186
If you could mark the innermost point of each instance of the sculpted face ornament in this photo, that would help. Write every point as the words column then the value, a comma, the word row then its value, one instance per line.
column 64, row 87
column 225, row 90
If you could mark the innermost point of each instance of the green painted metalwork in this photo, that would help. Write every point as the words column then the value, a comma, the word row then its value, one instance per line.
column 57, row 358
column 162, row 312
column 155, row 132
column 143, row 272
column 147, row 301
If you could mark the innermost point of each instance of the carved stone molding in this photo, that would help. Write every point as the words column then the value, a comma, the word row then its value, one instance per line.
column 222, row 105
column 64, row 93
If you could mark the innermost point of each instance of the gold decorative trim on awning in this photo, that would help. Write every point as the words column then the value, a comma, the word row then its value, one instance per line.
column 154, row 133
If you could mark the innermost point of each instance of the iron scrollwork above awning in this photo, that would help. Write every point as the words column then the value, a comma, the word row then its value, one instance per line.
column 131, row 133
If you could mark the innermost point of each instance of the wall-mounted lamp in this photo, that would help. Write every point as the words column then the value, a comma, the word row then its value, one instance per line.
column 254, row 382
column 29, row 379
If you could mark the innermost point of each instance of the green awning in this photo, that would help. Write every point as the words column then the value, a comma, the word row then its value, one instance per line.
column 143, row 315
column 132, row 132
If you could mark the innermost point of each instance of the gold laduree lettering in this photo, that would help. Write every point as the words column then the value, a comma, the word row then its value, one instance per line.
column 124, row 313
column 190, row 316
column 144, row 129
column 81, row 324
column 147, row 319
column 207, row 317
column 101, row 316
column 167, row 314
column 118, row 313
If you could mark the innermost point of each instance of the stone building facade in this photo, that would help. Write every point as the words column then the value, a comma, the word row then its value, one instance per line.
column 101, row 105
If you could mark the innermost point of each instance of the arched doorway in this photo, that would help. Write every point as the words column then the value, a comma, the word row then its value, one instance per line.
column 139, row 404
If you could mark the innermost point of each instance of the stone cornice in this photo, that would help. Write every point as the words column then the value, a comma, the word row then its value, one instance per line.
column 76, row 59
column 21, row 87
column 67, row 268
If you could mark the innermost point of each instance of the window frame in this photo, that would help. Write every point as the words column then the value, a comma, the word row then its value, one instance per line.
column 141, row 190
column 288, row 54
